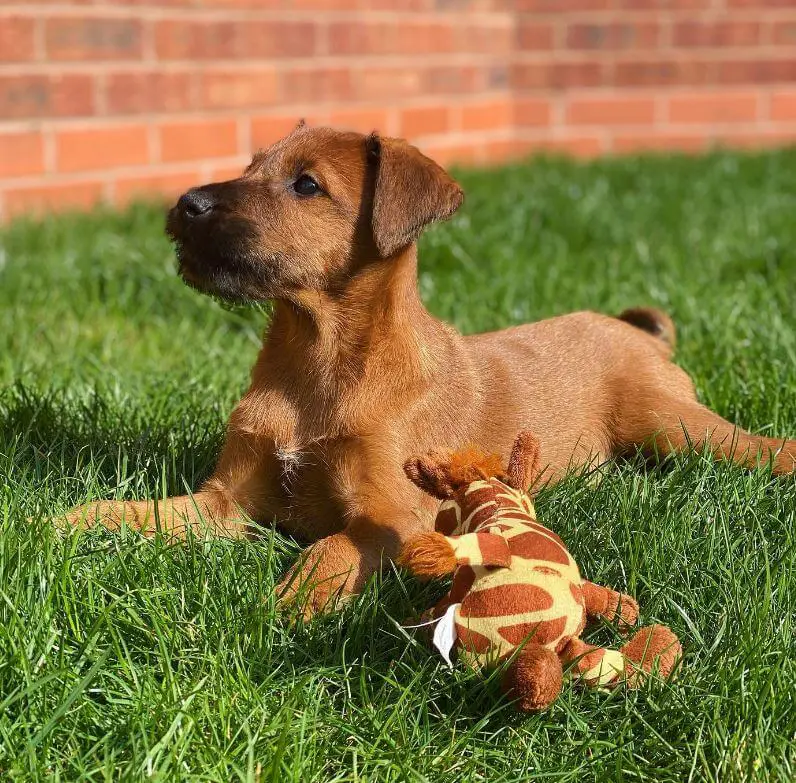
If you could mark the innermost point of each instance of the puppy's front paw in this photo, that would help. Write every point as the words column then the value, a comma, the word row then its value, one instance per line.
column 295, row 593
column 318, row 582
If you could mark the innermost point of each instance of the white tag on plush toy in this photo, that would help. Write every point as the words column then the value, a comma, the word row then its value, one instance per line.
column 445, row 634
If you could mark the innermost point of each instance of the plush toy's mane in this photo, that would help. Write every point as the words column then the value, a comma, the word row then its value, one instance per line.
column 471, row 464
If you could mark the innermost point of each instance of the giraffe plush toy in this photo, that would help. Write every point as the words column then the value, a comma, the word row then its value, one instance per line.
column 517, row 593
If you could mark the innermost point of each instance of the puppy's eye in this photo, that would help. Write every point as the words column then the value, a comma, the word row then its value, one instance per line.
column 305, row 185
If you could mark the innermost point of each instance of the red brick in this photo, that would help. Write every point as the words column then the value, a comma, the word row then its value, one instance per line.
column 576, row 146
column 281, row 39
column 266, row 130
column 348, row 5
column 757, row 71
column 496, row 77
column 70, row 38
column 226, row 173
column 502, row 150
column 87, row 149
column 496, row 82
column 706, row 109
column 611, row 111
column 37, row 199
column 760, row 3
column 558, row 6
column 558, row 75
column 21, row 154
column 360, row 120
column 254, row 5
column 239, row 89
column 180, row 40
column 424, row 121
column 532, row 111
column 755, row 139
column 663, row 5
column 326, row 85
column 434, row 38
column 783, row 33
column 487, row 115
column 483, row 39
column 532, row 34
column 783, row 106
column 198, row 140
column 613, row 36
column 447, row 79
column 374, row 84
column 643, row 73
column 17, row 42
column 448, row 153
column 35, row 96
column 715, row 34
column 660, row 141
column 170, row 186
column 364, row 38
column 149, row 91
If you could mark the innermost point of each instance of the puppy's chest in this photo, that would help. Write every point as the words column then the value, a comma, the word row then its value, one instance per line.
column 317, row 482
column 305, row 469
column 291, row 462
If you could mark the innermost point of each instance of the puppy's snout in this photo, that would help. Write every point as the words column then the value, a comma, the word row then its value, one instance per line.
column 196, row 203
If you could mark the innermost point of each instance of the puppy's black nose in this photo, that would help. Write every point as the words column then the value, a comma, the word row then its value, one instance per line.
column 196, row 203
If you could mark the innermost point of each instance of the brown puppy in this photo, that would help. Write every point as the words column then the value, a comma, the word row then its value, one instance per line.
column 355, row 376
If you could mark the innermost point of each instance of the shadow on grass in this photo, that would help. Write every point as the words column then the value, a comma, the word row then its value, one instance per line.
column 101, row 443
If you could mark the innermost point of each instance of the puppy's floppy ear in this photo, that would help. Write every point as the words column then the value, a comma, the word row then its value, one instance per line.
column 431, row 474
column 410, row 192
column 524, row 461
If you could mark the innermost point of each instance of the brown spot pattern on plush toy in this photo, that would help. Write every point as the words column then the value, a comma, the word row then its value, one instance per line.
column 504, row 599
column 535, row 546
column 540, row 632
column 519, row 595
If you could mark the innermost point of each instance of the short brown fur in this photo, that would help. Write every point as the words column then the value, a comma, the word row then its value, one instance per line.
column 355, row 376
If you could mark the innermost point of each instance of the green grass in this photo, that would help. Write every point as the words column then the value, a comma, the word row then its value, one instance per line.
column 129, row 659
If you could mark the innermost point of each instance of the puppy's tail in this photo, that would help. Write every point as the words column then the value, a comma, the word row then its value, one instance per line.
column 654, row 322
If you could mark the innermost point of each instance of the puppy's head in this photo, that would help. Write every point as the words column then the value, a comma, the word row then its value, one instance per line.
column 307, row 214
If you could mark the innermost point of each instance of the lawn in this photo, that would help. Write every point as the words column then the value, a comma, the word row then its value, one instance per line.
column 122, row 658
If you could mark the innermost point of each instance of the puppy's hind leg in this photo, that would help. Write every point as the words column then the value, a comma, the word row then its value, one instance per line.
column 666, row 423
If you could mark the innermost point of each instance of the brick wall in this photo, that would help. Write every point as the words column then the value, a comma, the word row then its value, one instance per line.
column 110, row 99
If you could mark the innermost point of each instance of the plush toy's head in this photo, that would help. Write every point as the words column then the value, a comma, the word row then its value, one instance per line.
column 462, row 480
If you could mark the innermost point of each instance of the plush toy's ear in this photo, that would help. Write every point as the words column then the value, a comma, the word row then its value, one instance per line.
column 431, row 474
column 411, row 191
column 524, row 461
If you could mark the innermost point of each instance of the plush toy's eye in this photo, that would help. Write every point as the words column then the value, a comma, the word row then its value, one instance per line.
column 305, row 185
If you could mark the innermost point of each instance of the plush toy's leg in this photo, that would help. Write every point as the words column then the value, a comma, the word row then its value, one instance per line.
column 653, row 646
column 533, row 678
column 604, row 602
column 594, row 666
